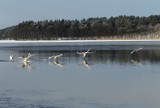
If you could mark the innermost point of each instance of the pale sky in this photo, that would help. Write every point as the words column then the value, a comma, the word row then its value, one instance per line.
column 13, row 12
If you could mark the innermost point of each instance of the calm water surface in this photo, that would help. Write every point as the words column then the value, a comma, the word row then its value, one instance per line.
column 109, row 78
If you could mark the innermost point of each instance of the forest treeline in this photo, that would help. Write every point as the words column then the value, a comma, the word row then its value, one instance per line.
column 91, row 27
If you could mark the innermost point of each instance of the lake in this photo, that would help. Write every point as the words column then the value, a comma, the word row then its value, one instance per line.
column 109, row 78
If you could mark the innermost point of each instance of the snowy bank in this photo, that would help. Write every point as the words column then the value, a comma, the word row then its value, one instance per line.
column 13, row 43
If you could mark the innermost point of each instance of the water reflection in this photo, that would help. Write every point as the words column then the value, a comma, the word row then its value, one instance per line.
column 138, row 62
column 114, row 79
column 101, row 56
column 124, row 56
column 135, row 57
column 26, row 65
column 119, row 57
column 85, row 63
column 56, row 62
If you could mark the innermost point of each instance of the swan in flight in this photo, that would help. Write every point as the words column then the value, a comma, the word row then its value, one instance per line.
column 136, row 50
column 55, row 57
column 84, row 53
column 26, row 59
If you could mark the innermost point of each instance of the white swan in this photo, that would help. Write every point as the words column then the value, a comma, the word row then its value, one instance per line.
column 136, row 50
column 26, row 59
column 55, row 57
column 84, row 53
column 11, row 57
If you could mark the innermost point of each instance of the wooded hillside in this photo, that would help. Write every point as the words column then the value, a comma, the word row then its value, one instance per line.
column 92, row 27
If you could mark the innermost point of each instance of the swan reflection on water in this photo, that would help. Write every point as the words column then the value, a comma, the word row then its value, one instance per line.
column 56, row 62
column 85, row 63
column 68, row 58
column 137, row 62
column 135, row 56
column 26, row 65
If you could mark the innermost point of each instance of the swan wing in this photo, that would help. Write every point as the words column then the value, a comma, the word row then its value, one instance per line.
column 58, row 55
column 133, row 51
column 20, row 58
column 30, row 55
column 80, row 52
column 139, row 49
column 91, row 52
column 88, row 50
column 50, row 57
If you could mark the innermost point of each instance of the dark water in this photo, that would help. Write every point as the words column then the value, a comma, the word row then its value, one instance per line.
column 109, row 78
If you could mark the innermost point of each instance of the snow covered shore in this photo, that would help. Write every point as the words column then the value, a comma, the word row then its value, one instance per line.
column 13, row 43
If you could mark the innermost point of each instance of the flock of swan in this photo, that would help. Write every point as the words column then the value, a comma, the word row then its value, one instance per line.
column 55, row 57
column 26, row 59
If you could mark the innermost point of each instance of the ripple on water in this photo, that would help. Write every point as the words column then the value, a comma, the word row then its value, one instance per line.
column 9, row 102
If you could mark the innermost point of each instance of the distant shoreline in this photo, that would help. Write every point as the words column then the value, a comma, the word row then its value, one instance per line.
column 120, row 27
